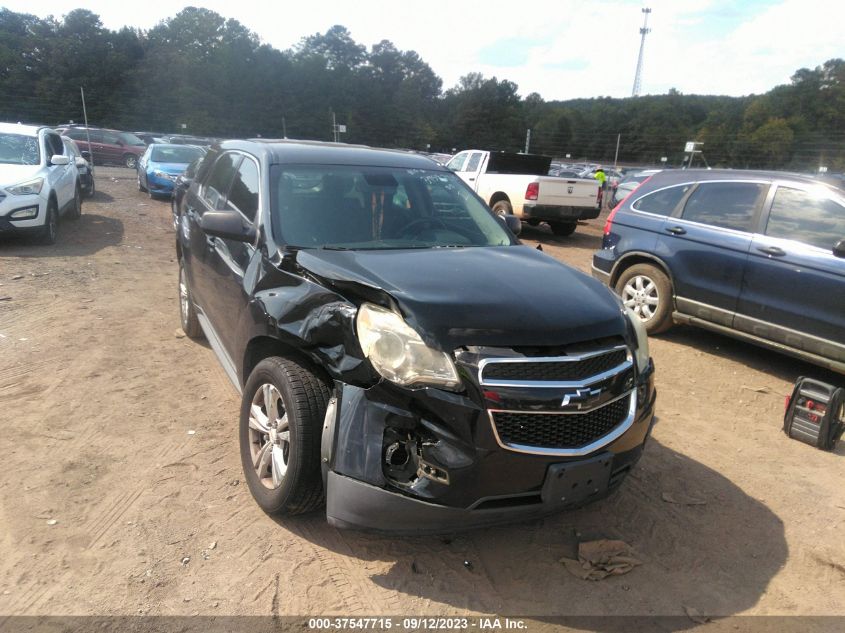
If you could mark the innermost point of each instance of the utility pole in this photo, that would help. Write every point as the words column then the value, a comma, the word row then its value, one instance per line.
column 643, row 32
column 527, row 140
column 87, row 130
column 284, row 128
column 334, row 127
column 616, row 156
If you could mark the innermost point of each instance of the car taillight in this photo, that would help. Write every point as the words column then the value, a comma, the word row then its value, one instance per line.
column 609, row 223
column 533, row 191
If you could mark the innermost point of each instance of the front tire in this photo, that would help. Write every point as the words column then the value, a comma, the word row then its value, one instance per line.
column 187, row 311
column 51, row 226
column 140, row 186
column 76, row 211
column 282, row 413
column 647, row 291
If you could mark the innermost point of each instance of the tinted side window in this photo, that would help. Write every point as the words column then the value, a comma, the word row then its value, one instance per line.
column 243, row 196
column 472, row 164
column 96, row 136
column 801, row 216
column 110, row 138
column 661, row 202
column 54, row 144
column 217, row 186
column 729, row 205
column 77, row 135
column 457, row 163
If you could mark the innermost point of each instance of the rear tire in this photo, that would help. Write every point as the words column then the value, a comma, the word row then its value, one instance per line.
column 281, row 422
column 647, row 291
column 563, row 229
column 502, row 207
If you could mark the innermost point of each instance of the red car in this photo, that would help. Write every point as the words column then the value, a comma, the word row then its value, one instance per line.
column 106, row 146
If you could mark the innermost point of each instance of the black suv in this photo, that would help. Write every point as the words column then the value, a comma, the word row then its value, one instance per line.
column 400, row 354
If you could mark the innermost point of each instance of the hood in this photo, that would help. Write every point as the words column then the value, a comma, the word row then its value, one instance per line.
column 14, row 174
column 168, row 168
column 498, row 296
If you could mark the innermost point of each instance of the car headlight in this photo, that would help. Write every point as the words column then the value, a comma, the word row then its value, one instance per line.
column 641, row 353
column 27, row 188
column 398, row 353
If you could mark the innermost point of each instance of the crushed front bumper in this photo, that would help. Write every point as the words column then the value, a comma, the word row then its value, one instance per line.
column 462, row 476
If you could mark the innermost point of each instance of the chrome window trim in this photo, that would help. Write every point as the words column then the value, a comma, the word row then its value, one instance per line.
column 601, row 442
column 583, row 382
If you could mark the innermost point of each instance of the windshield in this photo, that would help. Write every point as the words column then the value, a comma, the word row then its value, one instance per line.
column 175, row 154
column 371, row 208
column 17, row 149
column 131, row 139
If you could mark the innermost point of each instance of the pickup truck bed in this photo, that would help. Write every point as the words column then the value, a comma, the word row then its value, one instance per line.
column 516, row 183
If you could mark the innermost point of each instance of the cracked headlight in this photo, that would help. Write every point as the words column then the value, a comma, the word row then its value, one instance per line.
column 398, row 353
column 641, row 353
column 27, row 188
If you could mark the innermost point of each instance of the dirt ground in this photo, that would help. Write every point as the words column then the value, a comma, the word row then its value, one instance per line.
column 121, row 488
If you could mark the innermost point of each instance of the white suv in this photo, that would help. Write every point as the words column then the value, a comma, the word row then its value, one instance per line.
column 38, row 181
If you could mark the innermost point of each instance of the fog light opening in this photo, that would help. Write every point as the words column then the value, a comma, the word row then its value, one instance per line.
column 396, row 455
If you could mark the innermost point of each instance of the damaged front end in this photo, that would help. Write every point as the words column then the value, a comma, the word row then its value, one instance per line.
column 515, row 432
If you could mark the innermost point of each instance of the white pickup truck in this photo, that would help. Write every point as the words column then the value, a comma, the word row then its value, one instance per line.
column 518, row 184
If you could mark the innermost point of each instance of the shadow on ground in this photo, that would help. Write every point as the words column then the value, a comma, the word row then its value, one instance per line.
column 778, row 365
column 717, row 557
column 579, row 239
column 87, row 235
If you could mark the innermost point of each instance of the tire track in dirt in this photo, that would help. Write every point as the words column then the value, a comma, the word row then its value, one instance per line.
column 357, row 590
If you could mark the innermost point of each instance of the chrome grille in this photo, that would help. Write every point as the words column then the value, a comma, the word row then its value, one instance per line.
column 559, row 431
column 598, row 402
column 560, row 370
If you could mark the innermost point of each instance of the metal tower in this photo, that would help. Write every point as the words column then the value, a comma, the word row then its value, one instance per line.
column 643, row 31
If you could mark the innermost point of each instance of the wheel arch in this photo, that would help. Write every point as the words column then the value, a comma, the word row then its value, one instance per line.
column 637, row 257
column 263, row 346
column 498, row 197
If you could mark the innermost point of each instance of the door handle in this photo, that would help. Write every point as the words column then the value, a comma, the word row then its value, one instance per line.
column 774, row 251
column 676, row 230
column 471, row 179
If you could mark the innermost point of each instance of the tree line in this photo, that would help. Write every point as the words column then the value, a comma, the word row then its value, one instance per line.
column 217, row 78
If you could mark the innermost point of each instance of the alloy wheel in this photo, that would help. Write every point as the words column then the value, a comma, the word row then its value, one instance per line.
column 269, row 436
column 641, row 296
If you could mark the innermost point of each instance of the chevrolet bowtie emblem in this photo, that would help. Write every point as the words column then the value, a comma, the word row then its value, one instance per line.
column 579, row 396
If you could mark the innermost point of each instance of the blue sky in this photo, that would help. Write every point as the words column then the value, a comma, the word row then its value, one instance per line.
column 563, row 49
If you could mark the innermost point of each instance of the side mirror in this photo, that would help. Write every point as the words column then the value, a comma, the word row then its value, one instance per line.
column 80, row 162
column 229, row 225
column 58, row 159
column 839, row 249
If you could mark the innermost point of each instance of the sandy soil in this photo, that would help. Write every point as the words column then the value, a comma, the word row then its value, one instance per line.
column 121, row 489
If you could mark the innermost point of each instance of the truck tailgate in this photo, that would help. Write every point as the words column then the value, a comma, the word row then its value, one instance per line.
column 566, row 192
